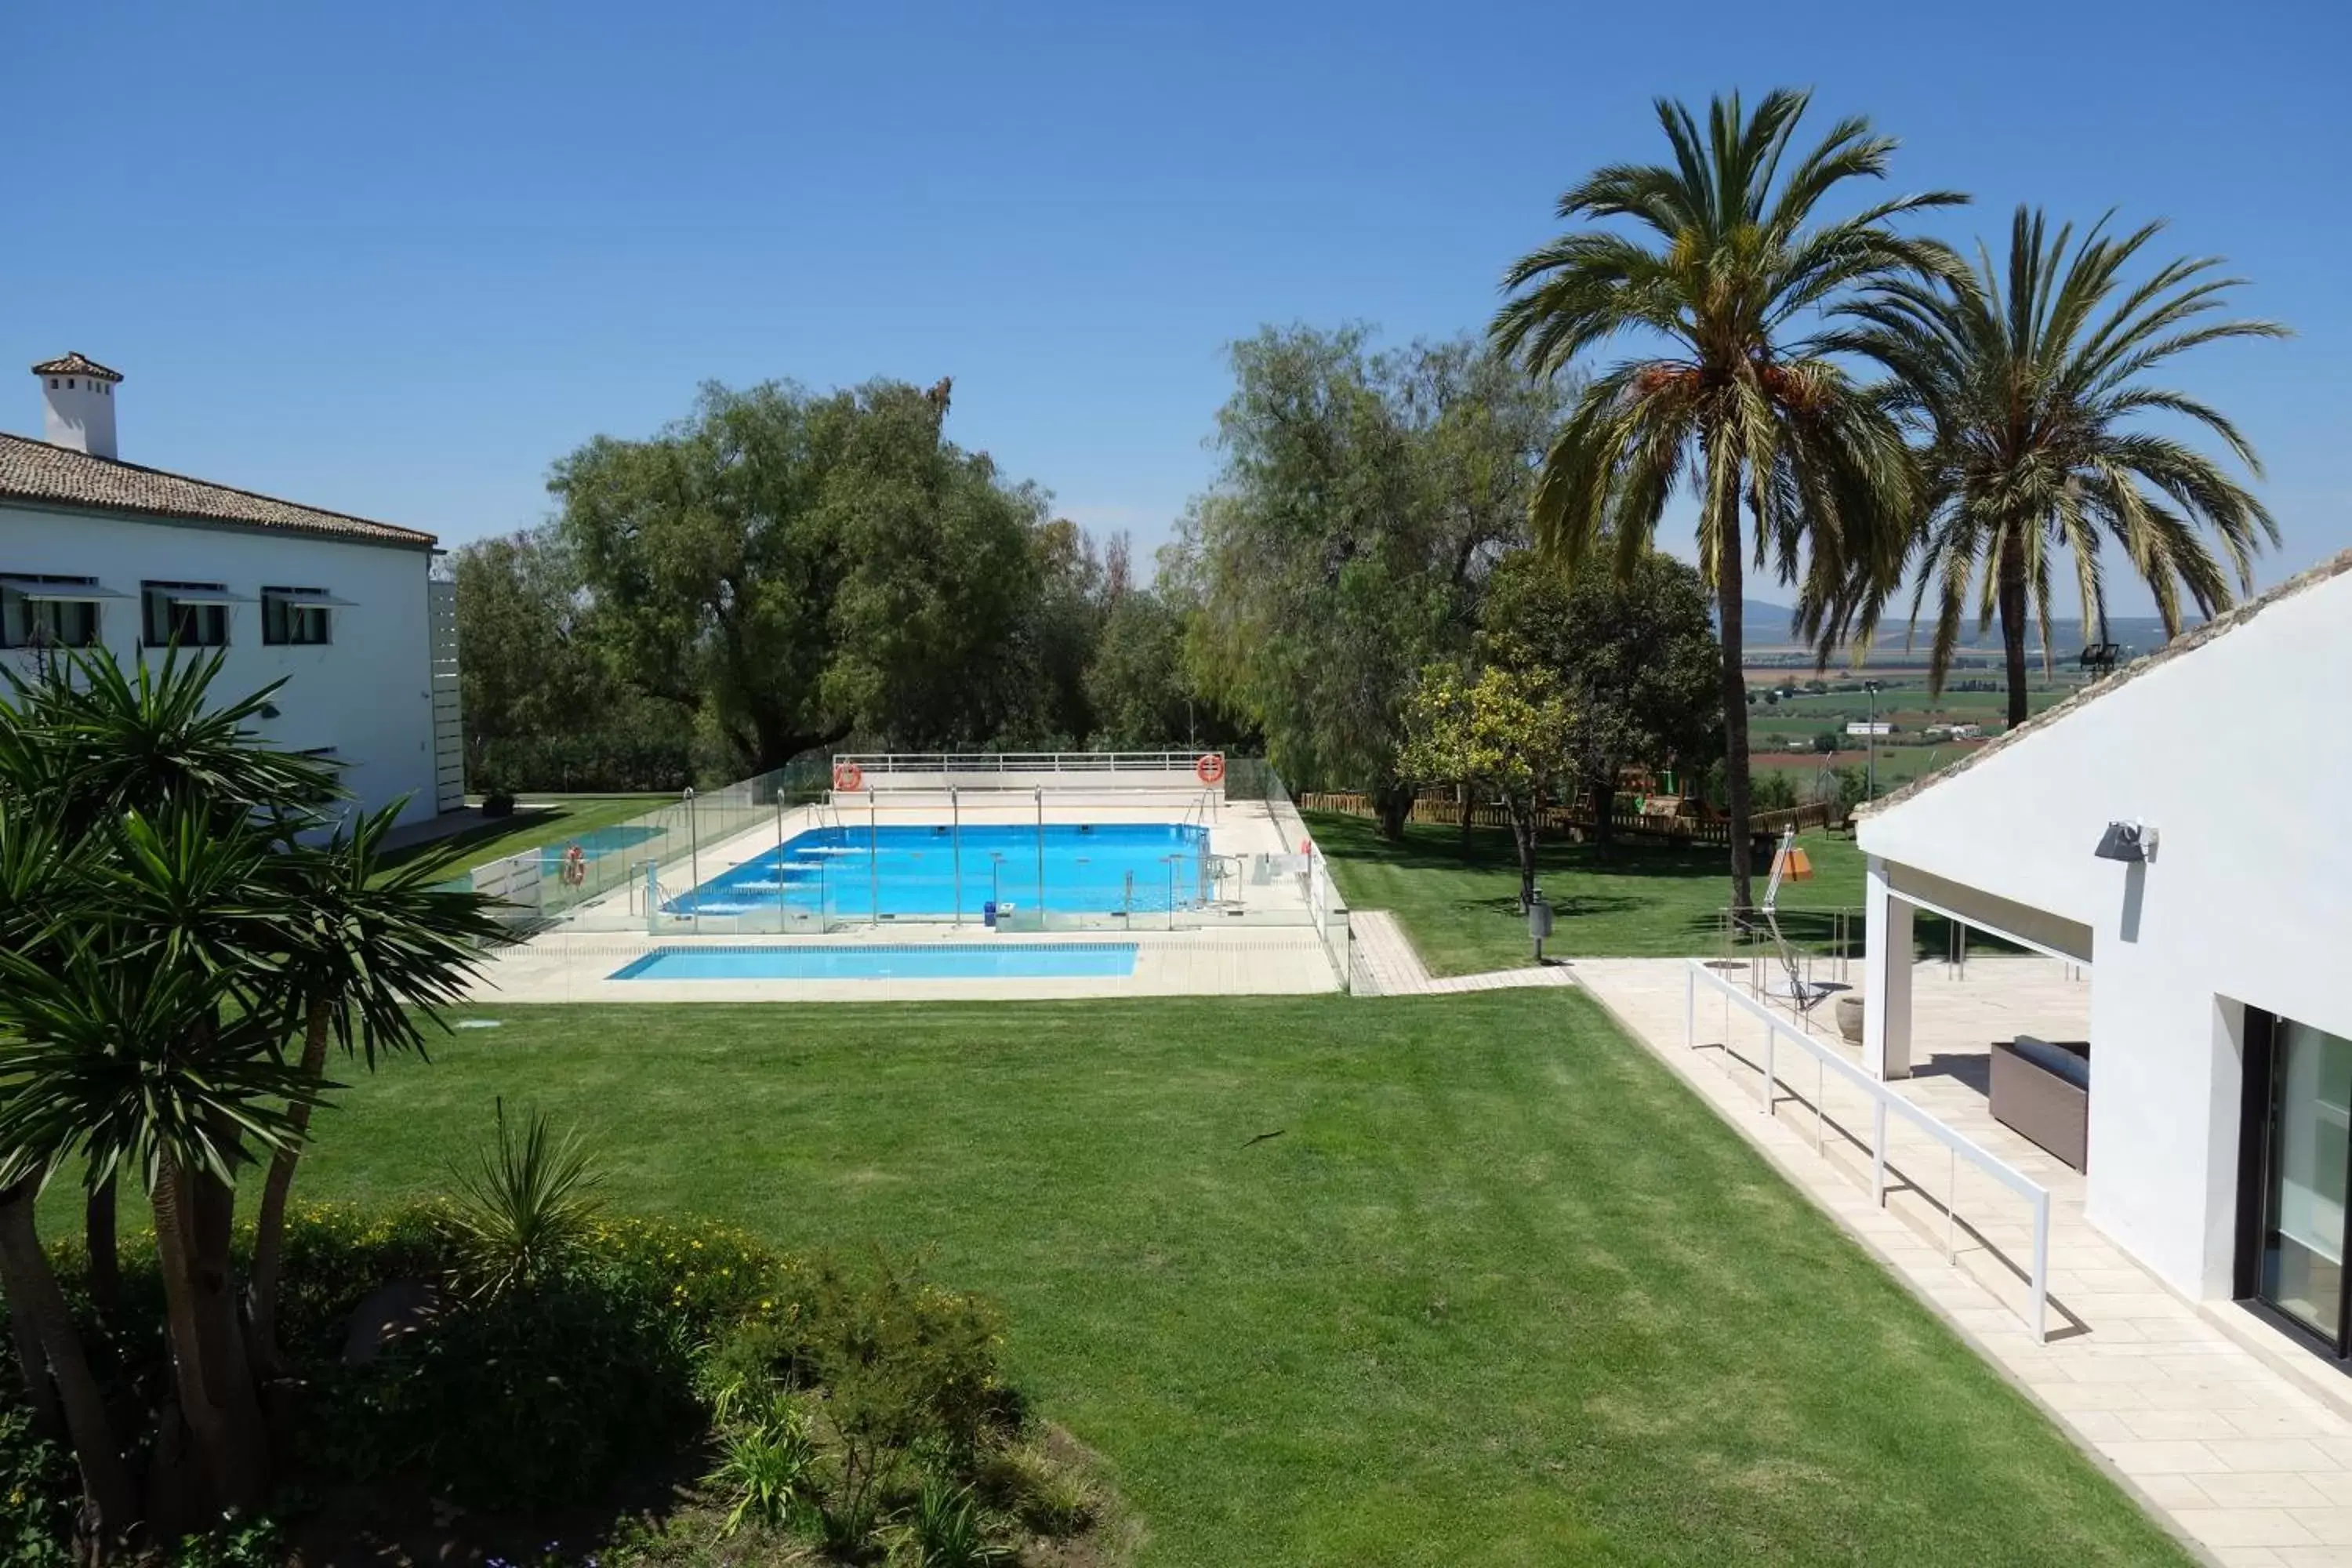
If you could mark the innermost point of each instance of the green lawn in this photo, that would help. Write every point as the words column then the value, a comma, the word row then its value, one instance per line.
column 1631, row 901
column 1501, row 1292
column 571, row 817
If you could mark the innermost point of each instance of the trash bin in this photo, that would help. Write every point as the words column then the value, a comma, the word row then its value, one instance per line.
column 1540, row 921
column 988, row 913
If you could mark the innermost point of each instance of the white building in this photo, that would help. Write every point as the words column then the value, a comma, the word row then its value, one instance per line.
column 2181, row 827
column 98, row 551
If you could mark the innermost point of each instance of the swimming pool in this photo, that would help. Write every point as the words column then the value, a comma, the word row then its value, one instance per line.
column 595, row 845
column 914, row 872
column 890, row 960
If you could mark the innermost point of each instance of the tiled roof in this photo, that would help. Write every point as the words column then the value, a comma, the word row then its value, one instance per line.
column 58, row 475
column 75, row 364
column 2187, row 642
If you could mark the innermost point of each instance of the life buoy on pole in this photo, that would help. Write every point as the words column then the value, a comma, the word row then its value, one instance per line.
column 849, row 776
column 575, row 866
column 1210, row 768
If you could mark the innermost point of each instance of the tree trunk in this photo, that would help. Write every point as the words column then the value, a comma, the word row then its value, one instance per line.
column 1604, row 804
column 2012, row 635
column 32, row 1365
column 223, row 1419
column 269, row 1226
column 1462, row 798
column 24, row 1274
column 1728, row 589
column 1393, row 802
column 99, row 1240
column 1523, row 838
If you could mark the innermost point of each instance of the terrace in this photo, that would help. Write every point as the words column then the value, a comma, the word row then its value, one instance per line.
column 2244, row 1445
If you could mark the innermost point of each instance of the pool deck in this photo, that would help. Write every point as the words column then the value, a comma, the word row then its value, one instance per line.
column 1236, row 828
column 1250, row 960
column 1258, row 939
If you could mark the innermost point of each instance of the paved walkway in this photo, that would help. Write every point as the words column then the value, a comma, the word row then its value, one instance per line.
column 2240, row 1440
column 1385, row 965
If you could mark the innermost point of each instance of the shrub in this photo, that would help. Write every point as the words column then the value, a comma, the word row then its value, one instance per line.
column 1046, row 1495
column 523, row 1212
column 946, row 1529
column 768, row 1469
column 906, row 1366
column 38, row 1493
column 540, row 1395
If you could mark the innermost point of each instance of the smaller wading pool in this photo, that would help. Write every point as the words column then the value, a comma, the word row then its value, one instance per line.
column 888, row 961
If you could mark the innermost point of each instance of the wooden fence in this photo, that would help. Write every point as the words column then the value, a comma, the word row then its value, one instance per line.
column 1564, row 821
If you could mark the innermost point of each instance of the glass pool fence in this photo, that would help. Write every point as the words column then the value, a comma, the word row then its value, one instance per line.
column 786, row 853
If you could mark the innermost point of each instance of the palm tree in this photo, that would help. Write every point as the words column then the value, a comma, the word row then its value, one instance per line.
column 165, row 935
column 85, row 741
column 1739, row 404
column 2029, row 398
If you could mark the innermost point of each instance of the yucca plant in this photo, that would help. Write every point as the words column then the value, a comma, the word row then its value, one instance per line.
column 2024, row 381
column 161, row 937
column 525, row 1208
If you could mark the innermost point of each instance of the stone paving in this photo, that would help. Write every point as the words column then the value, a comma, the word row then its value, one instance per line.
column 2237, row 1438
column 1385, row 965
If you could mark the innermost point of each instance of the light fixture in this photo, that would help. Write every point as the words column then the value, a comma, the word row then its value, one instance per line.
column 2127, row 841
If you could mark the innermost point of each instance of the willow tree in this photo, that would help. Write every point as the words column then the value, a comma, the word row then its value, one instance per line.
column 2026, row 383
column 1362, row 499
column 1721, row 278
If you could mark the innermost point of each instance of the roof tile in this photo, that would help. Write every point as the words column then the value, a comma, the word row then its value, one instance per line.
column 38, row 472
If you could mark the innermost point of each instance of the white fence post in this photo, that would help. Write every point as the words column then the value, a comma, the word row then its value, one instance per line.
column 1885, row 1101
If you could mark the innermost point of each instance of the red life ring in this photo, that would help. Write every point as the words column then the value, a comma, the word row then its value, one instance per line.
column 1210, row 768
column 575, row 867
column 847, row 776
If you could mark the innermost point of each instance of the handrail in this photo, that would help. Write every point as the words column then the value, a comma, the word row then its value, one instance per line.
column 1019, row 762
column 1884, row 1099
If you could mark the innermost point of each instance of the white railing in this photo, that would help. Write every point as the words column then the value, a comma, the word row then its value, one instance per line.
column 1957, row 1145
column 887, row 763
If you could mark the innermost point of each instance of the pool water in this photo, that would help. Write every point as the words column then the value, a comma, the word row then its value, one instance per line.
column 892, row 961
column 857, row 873
column 596, row 844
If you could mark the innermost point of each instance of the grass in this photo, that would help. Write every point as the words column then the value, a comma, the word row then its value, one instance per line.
column 564, row 816
column 1501, row 1292
column 1630, row 900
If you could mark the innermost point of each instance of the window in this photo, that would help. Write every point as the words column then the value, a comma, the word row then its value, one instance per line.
column 31, row 618
column 295, row 616
column 2296, row 1148
column 191, row 614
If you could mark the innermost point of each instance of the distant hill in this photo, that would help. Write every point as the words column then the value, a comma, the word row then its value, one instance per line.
column 1766, row 626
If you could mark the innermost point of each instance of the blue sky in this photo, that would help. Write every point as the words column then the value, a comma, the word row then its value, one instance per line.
column 398, row 258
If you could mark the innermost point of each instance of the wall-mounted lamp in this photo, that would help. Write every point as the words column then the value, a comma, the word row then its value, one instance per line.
column 2126, row 841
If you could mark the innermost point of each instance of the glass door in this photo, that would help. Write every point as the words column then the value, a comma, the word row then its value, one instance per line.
column 2307, row 1168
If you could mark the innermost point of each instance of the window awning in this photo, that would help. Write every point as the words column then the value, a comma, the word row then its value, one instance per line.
column 311, row 599
column 67, row 593
column 203, row 596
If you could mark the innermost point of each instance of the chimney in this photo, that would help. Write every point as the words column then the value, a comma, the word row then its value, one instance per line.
column 78, row 404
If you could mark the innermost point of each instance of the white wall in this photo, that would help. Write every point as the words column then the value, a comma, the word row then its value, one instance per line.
column 80, row 416
column 2237, row 754
column 367, row 693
